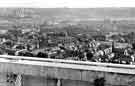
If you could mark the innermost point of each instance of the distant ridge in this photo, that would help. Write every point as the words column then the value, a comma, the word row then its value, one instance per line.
column 76, row 12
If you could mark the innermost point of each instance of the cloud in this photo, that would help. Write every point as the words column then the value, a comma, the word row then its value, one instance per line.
column 17, row 3
column 67, row 3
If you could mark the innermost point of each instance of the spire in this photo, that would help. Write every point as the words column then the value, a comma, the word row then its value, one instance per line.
column 113, row 46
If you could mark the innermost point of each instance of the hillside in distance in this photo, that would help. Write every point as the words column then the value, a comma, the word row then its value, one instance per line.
column 124, row 17
column 70, row 12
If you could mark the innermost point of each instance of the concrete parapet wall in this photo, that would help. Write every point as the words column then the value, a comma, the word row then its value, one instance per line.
column 76, row 73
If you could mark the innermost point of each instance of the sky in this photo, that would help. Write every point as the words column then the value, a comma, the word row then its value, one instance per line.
column 67, row 3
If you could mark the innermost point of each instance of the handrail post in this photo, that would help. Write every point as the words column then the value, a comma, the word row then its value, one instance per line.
column 59, row 82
